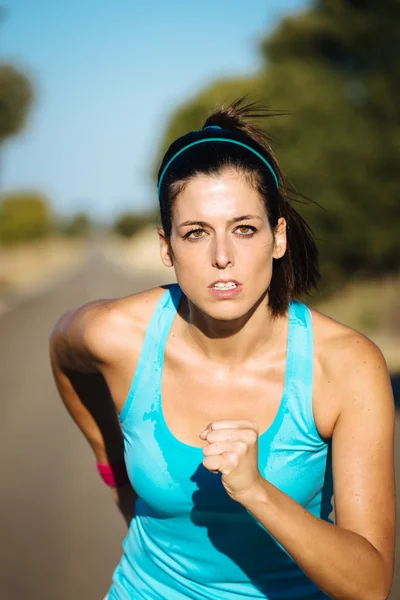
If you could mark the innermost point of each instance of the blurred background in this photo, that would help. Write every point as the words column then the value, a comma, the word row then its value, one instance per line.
column 91, row 95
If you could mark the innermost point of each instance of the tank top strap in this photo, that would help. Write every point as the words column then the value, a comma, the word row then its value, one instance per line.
column 300, row 343
column 150, row 361
column 300, row 361
column 166, row 311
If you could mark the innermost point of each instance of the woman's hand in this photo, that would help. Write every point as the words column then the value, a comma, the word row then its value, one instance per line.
column 233, row 451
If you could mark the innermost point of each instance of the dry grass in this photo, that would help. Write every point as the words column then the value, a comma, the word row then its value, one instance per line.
column 371, row 307
column 139, row 255
column 366, row 305
column 24, row 266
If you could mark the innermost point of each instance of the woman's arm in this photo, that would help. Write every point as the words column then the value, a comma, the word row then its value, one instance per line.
column 354, row 559
column 75, row 363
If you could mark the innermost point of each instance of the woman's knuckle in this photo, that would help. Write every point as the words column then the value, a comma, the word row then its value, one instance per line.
column 252, row 435
column 240, row 446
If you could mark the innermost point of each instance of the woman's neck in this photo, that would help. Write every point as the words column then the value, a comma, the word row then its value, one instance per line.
column 237, row 341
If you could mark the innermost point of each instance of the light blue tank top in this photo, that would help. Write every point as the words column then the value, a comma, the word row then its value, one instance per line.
column 189, row 539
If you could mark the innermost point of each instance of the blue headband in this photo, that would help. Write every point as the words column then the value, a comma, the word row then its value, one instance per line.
column 216, row 140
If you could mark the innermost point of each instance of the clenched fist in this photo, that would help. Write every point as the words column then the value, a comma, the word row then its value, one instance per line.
column 233, row 451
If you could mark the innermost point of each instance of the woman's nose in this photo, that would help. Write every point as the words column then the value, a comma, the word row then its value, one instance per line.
column 222, row 254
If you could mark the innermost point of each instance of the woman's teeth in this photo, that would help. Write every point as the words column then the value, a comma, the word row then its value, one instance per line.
column 225, row 286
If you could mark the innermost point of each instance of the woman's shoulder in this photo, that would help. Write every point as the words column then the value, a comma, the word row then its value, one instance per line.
column 345, row 358
column 338, row 342
column 137, row 307
column 113, row 325
column 132, row 311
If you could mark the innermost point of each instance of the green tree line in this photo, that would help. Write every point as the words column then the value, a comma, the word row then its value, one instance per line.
column 334, row 68
column 28, row 215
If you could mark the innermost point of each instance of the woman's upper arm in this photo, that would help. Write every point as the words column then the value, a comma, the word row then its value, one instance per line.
column 95, row 334
column 363, row 448
column 79, row 339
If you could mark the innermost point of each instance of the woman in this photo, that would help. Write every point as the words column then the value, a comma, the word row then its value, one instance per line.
column 239, row 406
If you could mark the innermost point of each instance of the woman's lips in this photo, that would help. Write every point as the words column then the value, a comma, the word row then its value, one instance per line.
column 226, row 293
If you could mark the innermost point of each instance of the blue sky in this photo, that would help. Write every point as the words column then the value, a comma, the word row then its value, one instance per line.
column 107, row 76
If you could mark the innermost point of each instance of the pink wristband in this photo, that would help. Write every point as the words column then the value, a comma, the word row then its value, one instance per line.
column 115, row 474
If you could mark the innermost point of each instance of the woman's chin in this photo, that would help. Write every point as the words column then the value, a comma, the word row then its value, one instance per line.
column 219, row 306
column 226, row 310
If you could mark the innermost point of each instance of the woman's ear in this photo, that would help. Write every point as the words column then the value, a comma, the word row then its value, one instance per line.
column 165, row 249
column 280, row 240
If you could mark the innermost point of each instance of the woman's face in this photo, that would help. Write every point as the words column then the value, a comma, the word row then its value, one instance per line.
column 221, row 244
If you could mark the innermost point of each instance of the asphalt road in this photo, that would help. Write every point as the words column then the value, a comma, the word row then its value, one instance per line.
column 60, row 532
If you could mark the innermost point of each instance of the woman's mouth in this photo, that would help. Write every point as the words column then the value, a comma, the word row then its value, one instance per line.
column 225, row 285
column 225, row 289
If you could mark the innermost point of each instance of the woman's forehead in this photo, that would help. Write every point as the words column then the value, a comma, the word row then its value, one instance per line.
column 226, row 194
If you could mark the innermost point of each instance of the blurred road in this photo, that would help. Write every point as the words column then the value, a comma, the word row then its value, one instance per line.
column 60, row 533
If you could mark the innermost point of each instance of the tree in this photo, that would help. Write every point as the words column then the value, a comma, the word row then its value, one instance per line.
column 24, row 216
column 15, row 98
column 128, row 224
column 79, row 224
column 335, row 68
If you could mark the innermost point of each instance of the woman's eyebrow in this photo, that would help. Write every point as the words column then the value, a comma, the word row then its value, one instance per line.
column 235, row 220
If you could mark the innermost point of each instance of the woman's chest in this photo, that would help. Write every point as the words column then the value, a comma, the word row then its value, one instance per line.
column 162, row 437
column 194, row 395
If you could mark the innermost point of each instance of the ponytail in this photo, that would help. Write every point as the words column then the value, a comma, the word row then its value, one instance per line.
column 297, row 272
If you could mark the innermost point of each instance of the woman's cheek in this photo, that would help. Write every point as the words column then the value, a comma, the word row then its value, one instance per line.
column 189, row 262
column 193, row 254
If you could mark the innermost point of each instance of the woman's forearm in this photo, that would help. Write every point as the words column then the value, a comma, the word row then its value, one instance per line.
column 87, row 399
column 75, row 405
column 341, row 563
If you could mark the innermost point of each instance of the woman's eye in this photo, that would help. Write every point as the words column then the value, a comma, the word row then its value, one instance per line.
column 246, row 230
column 195, row 234
column 198, row 234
